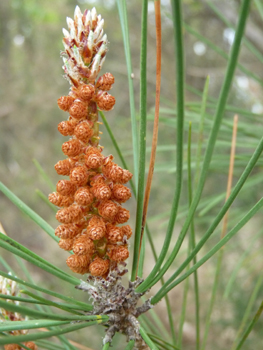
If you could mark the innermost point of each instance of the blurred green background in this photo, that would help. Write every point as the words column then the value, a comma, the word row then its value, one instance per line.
column 32, row 81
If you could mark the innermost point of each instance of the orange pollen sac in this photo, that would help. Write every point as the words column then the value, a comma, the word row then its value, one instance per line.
column 66, row 187
column 79, row 175
column 12, row 347
column 67, row 127
column 72, row 148
column 121, row 193
column 29, row 344
column 78, row 110
column 126, row 176
column 83, row 132
column 59, row 200
column 122, row 216
column 79, row 263
column 114, row 234
column 105, row 82
column 99, row 267
column 65, row 102
column 83, row 245
column 126, row 231
column 96, row 228
column 105, row 101
column 93, row 158
column 101, row 191
column 66, row 244
column 86, row 92
column 118, row 253
column 108, row 209
column 72, row 214
column 68, row 230
column 116, row 173
column 63, row 167
column 83, row 196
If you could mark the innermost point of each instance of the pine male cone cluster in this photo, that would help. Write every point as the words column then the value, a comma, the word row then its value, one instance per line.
column 91, row 200
column 9, row 287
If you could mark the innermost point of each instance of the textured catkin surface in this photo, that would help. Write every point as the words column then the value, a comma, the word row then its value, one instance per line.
column 91, row 200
